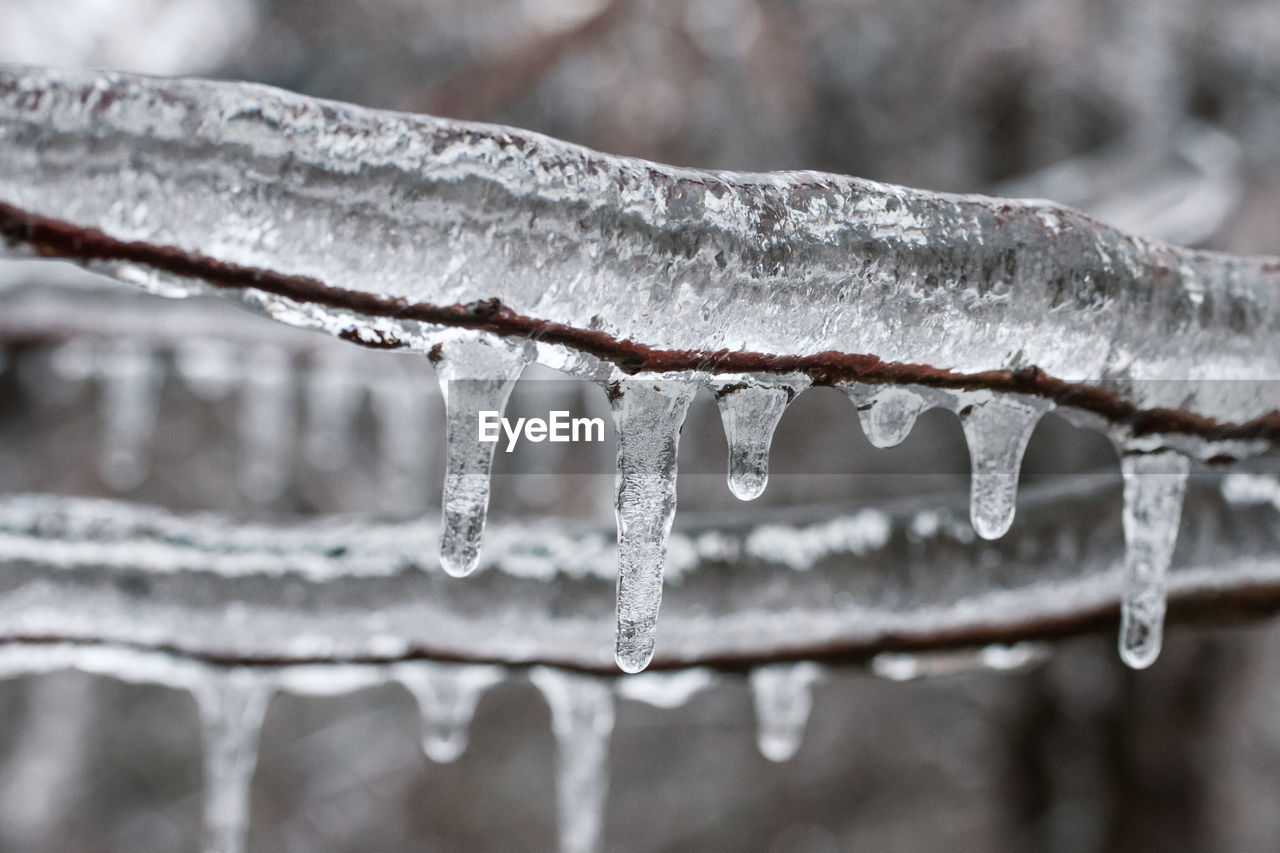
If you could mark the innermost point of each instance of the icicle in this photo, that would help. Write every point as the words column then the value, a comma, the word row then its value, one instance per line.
column 1154, row 485
column 447, row 696
column 130, row 397
column 582, row 721
column 232, row 707
column 266, row 423
column 887, row 415
column 476, row 374
column 783, row 696
column 210, row 368
column 997, row 430
column 400, row 405
column 665, row 690
column 648, row 415
column 750, row 414
column 333, row 397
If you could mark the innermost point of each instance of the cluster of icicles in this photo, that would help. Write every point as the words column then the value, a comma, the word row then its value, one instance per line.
column 478, row 374
column 233, row 702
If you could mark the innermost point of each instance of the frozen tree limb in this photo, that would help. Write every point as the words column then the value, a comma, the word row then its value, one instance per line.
column 386, row 226
column 833, row 585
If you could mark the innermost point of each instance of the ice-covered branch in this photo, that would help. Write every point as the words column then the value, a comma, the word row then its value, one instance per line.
column 489, row 247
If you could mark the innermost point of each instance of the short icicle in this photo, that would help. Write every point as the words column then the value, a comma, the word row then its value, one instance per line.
column 447, row 695
column 582, row 722
column 1154, row 485
column 648, row 415
column 783, row 695
column 130, row 382
column 476, row 374
column 750, row 413
column 232, row 707
column 997, row 430
column 888, row 414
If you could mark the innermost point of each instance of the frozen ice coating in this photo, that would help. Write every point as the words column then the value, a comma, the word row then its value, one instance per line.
column 1154, row 486
column 783, row 695
column 129, row 398
column 447, row 695
column 887, row 414
column 997, row 430
column 750, row 413
column 232, row 706
column 267, row 423
column 476, row 374
column 648, row 413
column 582, row 722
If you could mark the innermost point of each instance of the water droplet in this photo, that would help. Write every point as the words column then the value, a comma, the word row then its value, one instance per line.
column 648, row 415
column 997, row 430
column 1154, row 485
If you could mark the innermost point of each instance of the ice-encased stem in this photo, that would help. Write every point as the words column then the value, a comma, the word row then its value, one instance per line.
column 750, row 413
column 997, row 431
column 232, row 707
column 783, row 695
column 447, row 695
column 1154, row 486
column 648, row 414
column 582, row 722
column 476, row 374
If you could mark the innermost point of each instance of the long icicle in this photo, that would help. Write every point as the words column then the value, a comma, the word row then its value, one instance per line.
column 648, row 415
column 476, row 374
column 232, row 707
column 1154, row 486
column 582, row 722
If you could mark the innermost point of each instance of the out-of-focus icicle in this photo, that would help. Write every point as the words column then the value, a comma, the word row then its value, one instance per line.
column 997, row 429
column 130, row 386
column 582, row 721
column 333, row 398
column 232, row 708
column 210, row 368
column 783, row 695
column 665, row 690
column 476, row 374
column 1154, row 485
column 750, row 413
column 400, row 406
column 447, row 695
column 648, row 414
column 887, row 414
column 266, row 423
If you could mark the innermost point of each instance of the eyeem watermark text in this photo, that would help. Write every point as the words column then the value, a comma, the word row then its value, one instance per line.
column 557, row 427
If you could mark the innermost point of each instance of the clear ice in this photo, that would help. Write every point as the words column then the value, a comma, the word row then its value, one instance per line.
column 750, row 413
column 582, row 722
column 783, row 695
column 232, row 707
column 1154, row 486
column 887, row 414
column 476, row 374
column 447, row 695
column 648, row 414
column 997, row 430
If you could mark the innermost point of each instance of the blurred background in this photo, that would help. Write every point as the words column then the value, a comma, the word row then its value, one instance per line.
column 1160, row 116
